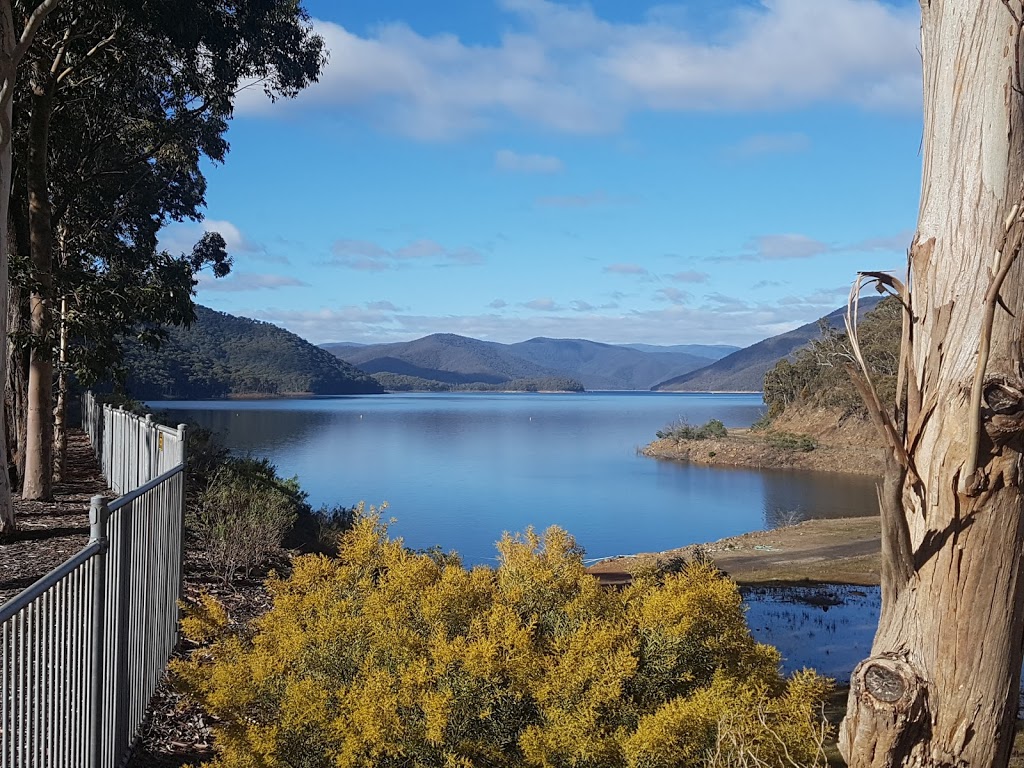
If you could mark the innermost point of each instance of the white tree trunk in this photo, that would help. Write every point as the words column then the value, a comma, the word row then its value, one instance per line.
column 941, row 686
column 8, row 71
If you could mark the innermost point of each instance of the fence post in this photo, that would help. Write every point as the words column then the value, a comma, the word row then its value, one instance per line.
column 183, row 444
column 97, row 533
column 152, row 454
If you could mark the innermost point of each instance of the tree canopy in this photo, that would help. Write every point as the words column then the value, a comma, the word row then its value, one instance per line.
column 118, row 105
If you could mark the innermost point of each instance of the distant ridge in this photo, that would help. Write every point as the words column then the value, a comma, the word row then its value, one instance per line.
column 444, row 357
column 453, row 359
column 221, row 355
column 744, row 371
column 713, row 351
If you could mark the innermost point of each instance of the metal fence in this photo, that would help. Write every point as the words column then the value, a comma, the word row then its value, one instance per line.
column 84, row 647
column 132, row 449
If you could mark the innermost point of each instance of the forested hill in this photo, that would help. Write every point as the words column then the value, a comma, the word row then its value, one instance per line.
column 222, row 355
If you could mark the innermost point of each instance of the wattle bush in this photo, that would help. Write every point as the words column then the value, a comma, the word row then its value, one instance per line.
column 383, row 657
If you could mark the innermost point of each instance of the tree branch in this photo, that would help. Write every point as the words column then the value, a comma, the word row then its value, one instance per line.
column 91, row 52
column 35, row 21
column 63, row 48
column 862, row 377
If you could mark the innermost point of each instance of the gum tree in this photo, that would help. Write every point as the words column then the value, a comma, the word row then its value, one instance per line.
column 941, row 685
column 17, row 33
column 190, row 58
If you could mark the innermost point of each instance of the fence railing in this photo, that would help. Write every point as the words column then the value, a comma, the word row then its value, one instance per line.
column 83, row 648
column 132, row 449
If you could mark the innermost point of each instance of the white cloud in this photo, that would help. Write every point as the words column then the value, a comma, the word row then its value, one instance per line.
column 721, row 319
column 775, row 247
column 361, row 248
column 233, row 237
column 898, row 242
column 783, row 53
column 566, row 69
column 180, row 237
column 249, row 281
column 420, row 249
column 542, row 305
column 573, row 201
column 626, row 269
column 514, row 162
column 797, row 246
column 367, row 256
column 672, row 295
column 769, row 144
column 690, row 276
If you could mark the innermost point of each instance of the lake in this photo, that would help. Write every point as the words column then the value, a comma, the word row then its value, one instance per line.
column 458, row 469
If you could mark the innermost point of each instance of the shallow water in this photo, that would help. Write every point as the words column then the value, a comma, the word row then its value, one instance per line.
column 827, row 628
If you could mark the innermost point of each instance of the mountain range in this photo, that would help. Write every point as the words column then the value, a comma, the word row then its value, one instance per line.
column 460, row 360
column 222, row 355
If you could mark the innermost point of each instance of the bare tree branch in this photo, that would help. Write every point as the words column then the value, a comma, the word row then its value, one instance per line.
column 35, row 21
column 91, row 52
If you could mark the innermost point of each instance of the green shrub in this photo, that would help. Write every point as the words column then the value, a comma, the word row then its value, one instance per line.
column 241, row 517
column 385, row 658
column 788, row 441
column 683, row 430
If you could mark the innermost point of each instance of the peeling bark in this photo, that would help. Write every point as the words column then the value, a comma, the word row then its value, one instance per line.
column 60, row 409
column 941, row 685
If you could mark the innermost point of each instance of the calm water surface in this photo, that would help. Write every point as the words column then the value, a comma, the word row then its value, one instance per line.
column 459, row 469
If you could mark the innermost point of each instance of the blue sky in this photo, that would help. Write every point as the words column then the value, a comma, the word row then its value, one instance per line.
column 697, row 172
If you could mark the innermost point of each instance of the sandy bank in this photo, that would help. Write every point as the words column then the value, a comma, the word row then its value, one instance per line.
column 839, row 551
column 843, row 444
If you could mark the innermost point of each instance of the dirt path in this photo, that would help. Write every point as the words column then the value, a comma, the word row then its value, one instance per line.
column 49, row 532
column 842, row 551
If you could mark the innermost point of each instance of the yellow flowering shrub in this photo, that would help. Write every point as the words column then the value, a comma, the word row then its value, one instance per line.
column 385, row 658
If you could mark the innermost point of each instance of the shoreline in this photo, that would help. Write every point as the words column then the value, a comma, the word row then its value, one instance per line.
column 743, row 448
column 842, row 550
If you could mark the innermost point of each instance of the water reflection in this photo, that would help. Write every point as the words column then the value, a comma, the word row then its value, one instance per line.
column 459, row 469
column 263, row 431
column 815, row 494
column 828, row 628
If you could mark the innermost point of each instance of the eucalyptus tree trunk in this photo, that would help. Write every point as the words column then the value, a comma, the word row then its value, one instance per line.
column 60, row 409
column 38, row 481
column 941, row 685
column 17, row 381
column 18, row 350
column 8, row 72
column 13, row 46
